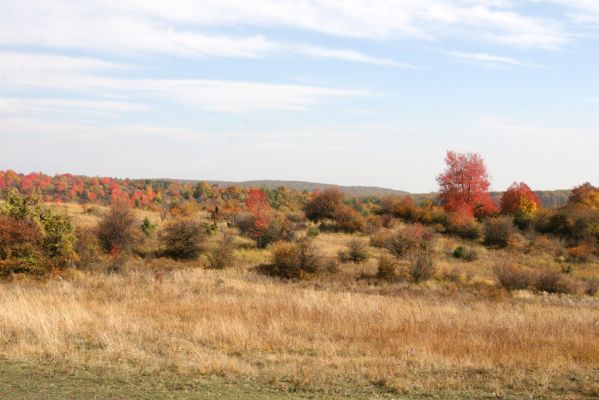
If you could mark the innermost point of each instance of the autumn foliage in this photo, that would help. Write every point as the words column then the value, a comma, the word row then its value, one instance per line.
column 519, row 198
column 324, row 205
column 464, row 185
column 585, row 195
column 257, row 204
column 521, row 202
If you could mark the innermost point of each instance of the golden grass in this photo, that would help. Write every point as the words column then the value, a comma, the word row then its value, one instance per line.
column 236, row 323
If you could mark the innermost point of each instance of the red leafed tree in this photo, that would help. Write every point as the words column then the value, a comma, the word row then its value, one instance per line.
column 519, row 198
column 464, row 185
column 257, row 204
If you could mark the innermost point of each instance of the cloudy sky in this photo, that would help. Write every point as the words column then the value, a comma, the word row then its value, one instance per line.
column 355, row 92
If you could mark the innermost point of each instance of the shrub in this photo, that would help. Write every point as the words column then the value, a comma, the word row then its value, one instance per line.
column 400, row 207
column 313, row 231
column 452, row 275
column 33, row 238
column 403, row 241
column 147, row 227
column 387, row 268
column 324, row 205
column 465, row 253
column 182, row 238
column 421, row 267
column 87, row 247
column 348, row 220
column 223, row 254
column 119, row 229
column 591, row 288
column 499, row 231
column 462, row 224
column 577, row 224
column 19, row 249
column 274, row 228
column 580, row 253
column 356, row 251
column 553, row 282
column 513, row 277
column 294, row 260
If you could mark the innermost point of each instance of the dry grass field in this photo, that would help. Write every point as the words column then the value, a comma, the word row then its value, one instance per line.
column 162, row 327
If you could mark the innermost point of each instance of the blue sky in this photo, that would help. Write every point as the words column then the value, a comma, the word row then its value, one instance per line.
column 351, row 92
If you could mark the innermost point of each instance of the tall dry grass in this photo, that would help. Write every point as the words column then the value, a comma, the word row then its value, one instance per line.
column 235, row 323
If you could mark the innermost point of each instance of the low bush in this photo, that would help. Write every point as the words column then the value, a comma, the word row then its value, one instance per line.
column 514, row 277
column 294, row 260
column 324, row 205
column 452, row 275
column 273, row 228
column 33, row 238
column 87, row 247
column 147, row 227
column 387, row 268
column 553, row 282
column 499, row 231
column 313, row 231
column 421, row 267
column 356, row 251
column 465, row 253
column 403, row 241
column 591, row 288
column 575, row 223
column 182, row 238
column 222, row 255
column 462, row 224
column 19, row 248
column 580, row 253
column 348, row 220
column 119, row 229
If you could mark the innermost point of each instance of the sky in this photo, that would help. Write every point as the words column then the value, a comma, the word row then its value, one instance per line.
column 352, row 92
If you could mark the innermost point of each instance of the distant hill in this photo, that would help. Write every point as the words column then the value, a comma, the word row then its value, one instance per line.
column 549, row 198
column 350, row 191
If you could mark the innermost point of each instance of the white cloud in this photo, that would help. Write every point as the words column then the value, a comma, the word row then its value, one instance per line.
column 349, row 55
column 40, row 130
column 71, row 74
column 179, row 27
column 494, row 59
column 582, row 11
column 50, row 107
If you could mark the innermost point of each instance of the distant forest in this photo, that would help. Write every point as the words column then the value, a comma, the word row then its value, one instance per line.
column 154, row 193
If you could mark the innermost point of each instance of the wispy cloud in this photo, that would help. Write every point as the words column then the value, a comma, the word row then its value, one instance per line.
column 349, row 55
column 494, row 59
column 186, row 27
column 71, row 74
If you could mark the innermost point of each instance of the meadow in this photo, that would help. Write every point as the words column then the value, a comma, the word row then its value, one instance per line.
column 163, row 326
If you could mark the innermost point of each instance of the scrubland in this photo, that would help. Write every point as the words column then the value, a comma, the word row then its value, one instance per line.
column 339, row 333
column 231, row 296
